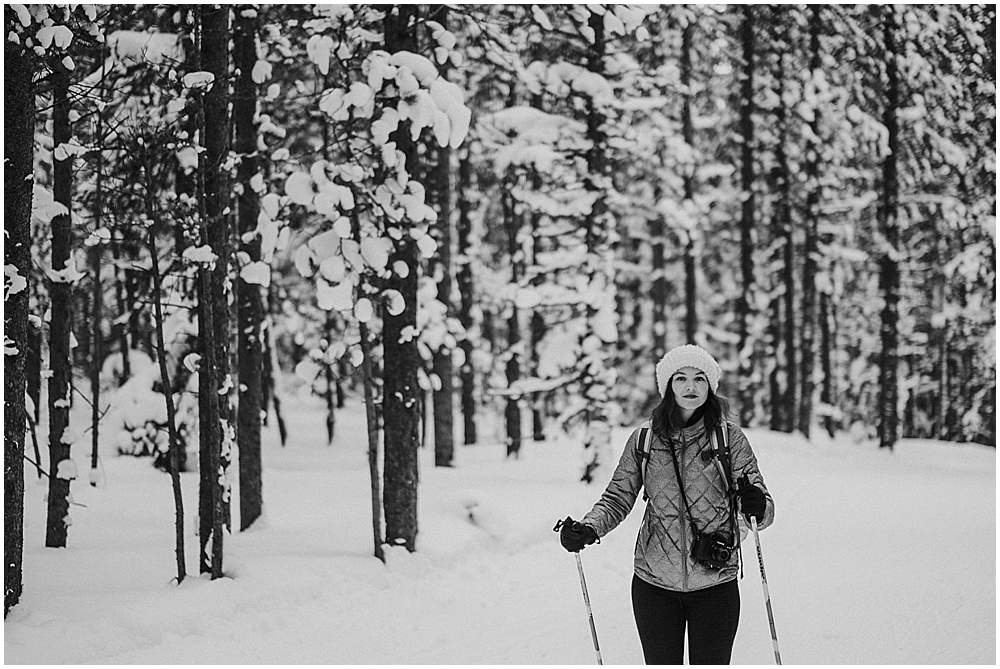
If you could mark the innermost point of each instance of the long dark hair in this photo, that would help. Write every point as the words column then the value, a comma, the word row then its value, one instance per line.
column 667, row 415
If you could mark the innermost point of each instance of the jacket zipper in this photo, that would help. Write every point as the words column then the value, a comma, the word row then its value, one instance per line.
column 686, row 524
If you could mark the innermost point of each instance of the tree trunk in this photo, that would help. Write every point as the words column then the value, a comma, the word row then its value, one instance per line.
column 810, row 253
column 596, row 228
column 690, row 266
column 512, row 411
column 787, row 400
column 330, row 389
column 657, row 237
column 269, row 384
column 444, row 397
column 250, row 308
column 536, row 325
column 467, row 373
column 175, row 451
column 18, row 141
column 214, row 321
column 402, row 360
column 60, row 364
column 97, row 297
column 124, row 307
column 826, row 344
column 743, row 313
column 888, row 426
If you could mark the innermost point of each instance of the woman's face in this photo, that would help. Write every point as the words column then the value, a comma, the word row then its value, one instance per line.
column 690, row 386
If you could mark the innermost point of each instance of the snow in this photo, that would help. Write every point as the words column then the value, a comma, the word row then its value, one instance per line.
column 874, row 558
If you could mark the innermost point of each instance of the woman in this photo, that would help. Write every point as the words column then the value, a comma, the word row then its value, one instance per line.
column 687, row 552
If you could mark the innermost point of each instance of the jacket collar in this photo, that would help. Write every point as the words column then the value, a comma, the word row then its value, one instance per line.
column 691, row 433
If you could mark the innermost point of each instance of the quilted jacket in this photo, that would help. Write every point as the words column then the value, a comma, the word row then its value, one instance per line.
column 663, row 548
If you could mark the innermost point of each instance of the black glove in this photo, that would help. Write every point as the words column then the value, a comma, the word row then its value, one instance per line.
column 752, row 500
column 574, row 535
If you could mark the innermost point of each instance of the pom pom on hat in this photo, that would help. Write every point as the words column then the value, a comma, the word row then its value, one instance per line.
column 688, row 355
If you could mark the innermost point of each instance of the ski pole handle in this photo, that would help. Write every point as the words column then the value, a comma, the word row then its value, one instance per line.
column 767, row 595
column 590, row 612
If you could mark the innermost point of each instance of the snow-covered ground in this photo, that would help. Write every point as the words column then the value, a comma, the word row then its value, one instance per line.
column 874, row 558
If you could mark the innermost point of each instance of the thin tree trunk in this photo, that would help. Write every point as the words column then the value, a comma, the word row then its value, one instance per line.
column 18, row 140
column 123, row 308
column 596, row 228
column 888, row 427
column 512, row 409
column 270, row 384
column 774, row 387
column 784, row 227
column 33, row 367
column 444, row 397
column 690, row 266
column 810, row 253
column 250, row 308
column 329, row 390
column 657, row 233
column 401, row 393
column 826, row 339
column 466, row 298
column 743, row 313
column 175, row 458
column 96, row 252
column 536, row 326
column 60, row 364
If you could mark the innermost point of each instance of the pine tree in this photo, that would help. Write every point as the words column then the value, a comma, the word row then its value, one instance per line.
column 250, row 307
column 61, row 469
column 401, row 360
column 19, row 127
column 889, row 232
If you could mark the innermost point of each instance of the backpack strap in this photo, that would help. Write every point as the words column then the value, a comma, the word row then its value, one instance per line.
column 645, row 447
column 720, row 453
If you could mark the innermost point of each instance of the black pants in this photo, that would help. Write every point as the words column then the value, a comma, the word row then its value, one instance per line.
column 711, row 617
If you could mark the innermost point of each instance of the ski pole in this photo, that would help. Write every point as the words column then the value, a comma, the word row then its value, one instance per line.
column 590, row 612
column 767, row 595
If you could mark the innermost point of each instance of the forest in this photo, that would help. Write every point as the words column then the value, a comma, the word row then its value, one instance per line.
column 467, row 214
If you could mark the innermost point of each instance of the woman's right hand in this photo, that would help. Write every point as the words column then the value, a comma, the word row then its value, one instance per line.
column 575, row 536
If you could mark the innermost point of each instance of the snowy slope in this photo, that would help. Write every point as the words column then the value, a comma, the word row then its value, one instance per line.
column 874, row 558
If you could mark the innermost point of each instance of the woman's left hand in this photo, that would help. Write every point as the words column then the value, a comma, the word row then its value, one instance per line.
column 752, row 500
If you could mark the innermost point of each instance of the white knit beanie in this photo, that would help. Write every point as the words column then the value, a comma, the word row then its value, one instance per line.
column 688, row 355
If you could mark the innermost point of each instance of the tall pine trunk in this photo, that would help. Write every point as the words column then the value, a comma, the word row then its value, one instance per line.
column 888, row 426
column 217, row 438
column 743, row 311
column 18, row 140
column 250, row 307
column 512, row 409
column 444, row 396
column 467, row 373
column 61, row 469
column 785, row 402
column 402, row 394
column 810, row 252
column 690, row 264
column 597, row 226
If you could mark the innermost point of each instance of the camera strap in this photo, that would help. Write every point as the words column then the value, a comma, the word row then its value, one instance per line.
column 680, row 485
column 717, row 438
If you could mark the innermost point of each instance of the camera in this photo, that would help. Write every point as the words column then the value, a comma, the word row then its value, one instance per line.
column 712, row 550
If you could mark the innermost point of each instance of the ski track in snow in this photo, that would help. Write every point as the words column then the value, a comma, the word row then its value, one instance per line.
column 874, row 558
